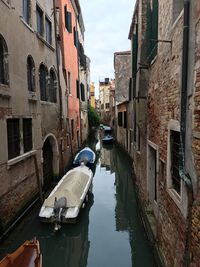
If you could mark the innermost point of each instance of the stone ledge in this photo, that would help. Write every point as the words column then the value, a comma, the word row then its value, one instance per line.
column 14, row 161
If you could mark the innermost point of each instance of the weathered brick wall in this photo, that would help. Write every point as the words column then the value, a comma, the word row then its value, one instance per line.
column 195, row 235
column 18, row 186
column 163, row 106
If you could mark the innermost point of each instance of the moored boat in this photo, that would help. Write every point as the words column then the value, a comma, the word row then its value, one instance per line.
column 87, row 156
column 65, row 201
column 27, row 255
column 108, row 139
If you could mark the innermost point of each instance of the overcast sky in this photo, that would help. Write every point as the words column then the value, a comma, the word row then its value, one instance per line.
column 107, row 24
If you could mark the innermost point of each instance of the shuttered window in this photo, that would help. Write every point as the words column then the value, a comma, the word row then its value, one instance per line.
column 68, row 19
column 175, row 157
column 82, row 92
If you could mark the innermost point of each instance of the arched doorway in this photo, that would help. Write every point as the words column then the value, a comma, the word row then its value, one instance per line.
column 47, row 164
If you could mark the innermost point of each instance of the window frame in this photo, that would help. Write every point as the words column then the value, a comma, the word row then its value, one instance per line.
column 48, row 30
column 26, row 13
column 52, row 86
column 40, row 12
column 30, row 73
column 44, row 94
column 4, row 66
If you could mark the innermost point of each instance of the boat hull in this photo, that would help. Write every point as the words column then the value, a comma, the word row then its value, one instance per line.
column 80, row 177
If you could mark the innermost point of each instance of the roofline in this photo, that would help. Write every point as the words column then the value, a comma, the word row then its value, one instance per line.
column 133, row 20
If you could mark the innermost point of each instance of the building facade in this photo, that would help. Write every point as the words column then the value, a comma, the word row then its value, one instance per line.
column 92, row 95
column 69, row 11
column 165, row 81
column 30, row 109
column 122, row 67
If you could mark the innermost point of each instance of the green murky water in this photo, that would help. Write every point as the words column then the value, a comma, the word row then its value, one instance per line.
column 109, row 232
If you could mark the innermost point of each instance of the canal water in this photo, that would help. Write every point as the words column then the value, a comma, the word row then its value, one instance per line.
column 109, row 232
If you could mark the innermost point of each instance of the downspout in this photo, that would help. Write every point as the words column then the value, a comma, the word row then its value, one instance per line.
column 184, row 88
column 59, row 89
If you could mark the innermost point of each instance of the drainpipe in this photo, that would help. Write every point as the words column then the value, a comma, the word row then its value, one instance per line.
column 185, row 176
column 60, row 90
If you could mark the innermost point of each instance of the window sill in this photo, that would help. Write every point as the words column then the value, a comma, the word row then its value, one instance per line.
column 26, row 24
column 4, row 91
column 47, row 102
column 175, row 196
column 44, row 41
column 14, row 161
column 6, row 3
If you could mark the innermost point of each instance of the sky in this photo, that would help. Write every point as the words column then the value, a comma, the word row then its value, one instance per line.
column 107, row 24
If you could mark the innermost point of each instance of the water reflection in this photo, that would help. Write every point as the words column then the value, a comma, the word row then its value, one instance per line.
column 108, row 233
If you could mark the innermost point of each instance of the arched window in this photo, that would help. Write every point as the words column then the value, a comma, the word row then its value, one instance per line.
column 53, row 87
column 31, row 74
column 43, row 74
column 4, row 72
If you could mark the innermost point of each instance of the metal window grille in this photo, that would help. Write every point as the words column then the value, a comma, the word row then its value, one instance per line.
column 13, row 135
column 27, row 135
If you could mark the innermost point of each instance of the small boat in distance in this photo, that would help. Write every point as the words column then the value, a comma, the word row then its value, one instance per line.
column 27, row 255
column 87, row 156
column 65, row 201
column 108, row 139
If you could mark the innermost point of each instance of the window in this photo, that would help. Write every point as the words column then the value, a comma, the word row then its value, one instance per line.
column 30, row 73
column 4, row 73
column 77, row 89
column 53, row 87
column 40, row 23
column 107, row 105
column 120, row 118
column 43, row 78
column 27, row 135
column 26, row 11
column 175, row 157
column 102, row 106
column 48, row 30
column 75, row 37
column 68, row 19
column 82, row 92
column 69, row 82
column 152, row 29
column 13, row 135
column 177, row 8
column 14, row 127
column 125, row 119
column 72, row 129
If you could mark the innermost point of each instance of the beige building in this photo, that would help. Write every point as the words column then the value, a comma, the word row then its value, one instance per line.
column 104, row 97
column 30, row 113
column 92, row 96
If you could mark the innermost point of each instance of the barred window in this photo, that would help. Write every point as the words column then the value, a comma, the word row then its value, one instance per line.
column 13, row 135
column 27, row 135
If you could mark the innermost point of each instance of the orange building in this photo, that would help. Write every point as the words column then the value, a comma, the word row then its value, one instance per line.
column 69, row 10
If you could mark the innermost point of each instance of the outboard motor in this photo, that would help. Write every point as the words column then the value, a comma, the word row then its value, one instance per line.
column 59, row 206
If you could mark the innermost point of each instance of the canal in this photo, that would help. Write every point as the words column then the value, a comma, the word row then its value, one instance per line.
column 109, row 232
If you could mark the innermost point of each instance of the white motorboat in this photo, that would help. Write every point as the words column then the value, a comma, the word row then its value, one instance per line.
column 67, row 198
